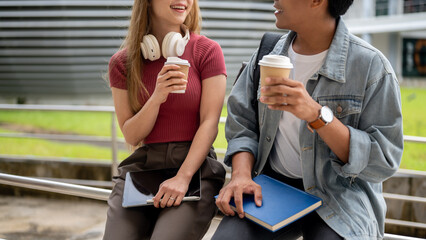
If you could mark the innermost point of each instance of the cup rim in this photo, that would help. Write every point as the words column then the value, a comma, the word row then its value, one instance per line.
column 287, row 66
column 177, row 61
column 276, row 61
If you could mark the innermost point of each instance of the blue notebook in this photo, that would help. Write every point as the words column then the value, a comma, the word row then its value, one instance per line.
column 282, row 204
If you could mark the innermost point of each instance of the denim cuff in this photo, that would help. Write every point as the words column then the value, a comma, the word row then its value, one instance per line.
column 243, row 144
column 359, row 155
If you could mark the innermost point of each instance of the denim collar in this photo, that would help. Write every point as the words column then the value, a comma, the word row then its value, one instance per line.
column 335, row 61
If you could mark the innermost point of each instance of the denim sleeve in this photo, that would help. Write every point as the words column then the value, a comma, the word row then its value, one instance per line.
column 376, row 146
column 241, row 121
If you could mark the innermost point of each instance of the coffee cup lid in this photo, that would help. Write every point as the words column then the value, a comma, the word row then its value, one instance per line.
column 176, row 60
column 278, row 61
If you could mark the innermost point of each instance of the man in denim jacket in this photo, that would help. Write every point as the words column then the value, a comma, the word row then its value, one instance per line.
column 345, row 159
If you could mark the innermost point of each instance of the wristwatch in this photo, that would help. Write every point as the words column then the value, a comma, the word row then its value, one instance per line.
column 325, row 117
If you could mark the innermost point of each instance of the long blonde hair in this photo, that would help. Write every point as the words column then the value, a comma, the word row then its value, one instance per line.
column 140, row 25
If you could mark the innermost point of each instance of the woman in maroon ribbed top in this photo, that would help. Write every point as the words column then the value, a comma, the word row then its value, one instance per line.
column 173, row 130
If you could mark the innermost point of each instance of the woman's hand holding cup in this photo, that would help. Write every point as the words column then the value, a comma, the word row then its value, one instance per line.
column 169, row 79
column 183, row 67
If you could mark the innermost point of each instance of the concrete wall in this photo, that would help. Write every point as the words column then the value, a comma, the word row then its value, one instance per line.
column 51, row 169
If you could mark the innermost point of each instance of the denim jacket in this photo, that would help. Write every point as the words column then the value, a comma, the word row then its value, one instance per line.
column 358, row 83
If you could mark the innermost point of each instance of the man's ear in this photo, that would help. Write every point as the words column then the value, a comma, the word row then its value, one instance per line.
column 318, row 3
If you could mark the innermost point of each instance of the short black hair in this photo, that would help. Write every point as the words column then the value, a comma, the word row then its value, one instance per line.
column 338, row 7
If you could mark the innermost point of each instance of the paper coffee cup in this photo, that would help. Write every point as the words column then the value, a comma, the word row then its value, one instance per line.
column 184, row 67
column 274, row 66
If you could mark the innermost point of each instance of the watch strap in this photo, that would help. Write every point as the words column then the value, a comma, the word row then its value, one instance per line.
column 317, row 123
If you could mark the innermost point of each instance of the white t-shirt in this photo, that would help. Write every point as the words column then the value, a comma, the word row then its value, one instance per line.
column 285, row 153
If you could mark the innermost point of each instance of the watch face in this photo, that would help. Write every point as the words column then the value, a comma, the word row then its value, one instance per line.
column 326, row 114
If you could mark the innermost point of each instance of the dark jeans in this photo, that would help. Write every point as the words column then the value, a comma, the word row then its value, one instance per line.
column 311, row 227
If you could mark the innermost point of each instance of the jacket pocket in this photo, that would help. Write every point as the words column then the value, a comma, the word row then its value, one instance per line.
column 347, row 108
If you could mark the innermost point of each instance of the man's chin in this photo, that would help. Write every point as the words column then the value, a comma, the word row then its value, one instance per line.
column 279, row 26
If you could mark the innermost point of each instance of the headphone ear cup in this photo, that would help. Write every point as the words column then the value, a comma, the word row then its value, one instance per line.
column 144, row 50
column 170, row 43
column 180, row 47
column 150, row 47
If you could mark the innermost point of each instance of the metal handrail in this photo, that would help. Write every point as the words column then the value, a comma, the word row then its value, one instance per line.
column 398, row 237
column 103, row 194
column 61, row 137
column 67, row 108
column 52, row 186
column 57, row 187
column 415, row 139
column 405, row 223
column 73, row 108
column 113, row 139
column 393, row 196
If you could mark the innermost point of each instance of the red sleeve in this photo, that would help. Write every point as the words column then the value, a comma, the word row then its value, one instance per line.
column 210, row 56
column 117, row 70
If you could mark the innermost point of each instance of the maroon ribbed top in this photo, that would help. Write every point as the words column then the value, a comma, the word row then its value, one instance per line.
column 179, row 117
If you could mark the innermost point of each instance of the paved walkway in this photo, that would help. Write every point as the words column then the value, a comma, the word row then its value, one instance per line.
column 28, row 218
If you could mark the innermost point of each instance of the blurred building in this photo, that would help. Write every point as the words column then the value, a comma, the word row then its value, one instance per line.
column 398, row 29
column 57, row 52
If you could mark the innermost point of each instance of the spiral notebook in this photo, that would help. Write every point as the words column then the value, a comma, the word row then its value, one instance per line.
column 140, row 187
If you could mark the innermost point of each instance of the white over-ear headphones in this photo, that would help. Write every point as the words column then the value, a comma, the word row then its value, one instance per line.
column 173, row 45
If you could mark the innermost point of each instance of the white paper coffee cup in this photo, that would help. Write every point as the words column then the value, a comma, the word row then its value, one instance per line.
column 274, row 66
column 184, row 67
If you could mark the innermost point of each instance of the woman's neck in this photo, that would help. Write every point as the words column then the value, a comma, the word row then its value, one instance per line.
column 161, row 30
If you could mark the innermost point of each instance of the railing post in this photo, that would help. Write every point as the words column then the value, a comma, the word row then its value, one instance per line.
column 114, row 146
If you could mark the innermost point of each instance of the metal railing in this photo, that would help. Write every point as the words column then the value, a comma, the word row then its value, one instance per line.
column 56, row 187
column 53, row 186
column 114, row 140
column 95, row 193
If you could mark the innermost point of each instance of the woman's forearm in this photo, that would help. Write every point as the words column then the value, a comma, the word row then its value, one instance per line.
column 213, row 93
column 203, row 140
column 138, row 127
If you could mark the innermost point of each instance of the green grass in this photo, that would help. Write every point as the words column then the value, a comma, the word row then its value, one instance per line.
column 414, row 111
column 414, row 156
column 84, row 123
column 45, row 148
column 99, row 124
column 414, row 123
column 220, row 142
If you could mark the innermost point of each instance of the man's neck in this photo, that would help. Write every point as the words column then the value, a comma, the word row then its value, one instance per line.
column 315, row 38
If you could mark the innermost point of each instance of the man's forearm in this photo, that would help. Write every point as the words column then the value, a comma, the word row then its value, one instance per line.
column 337, row 137
column 242, row 164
